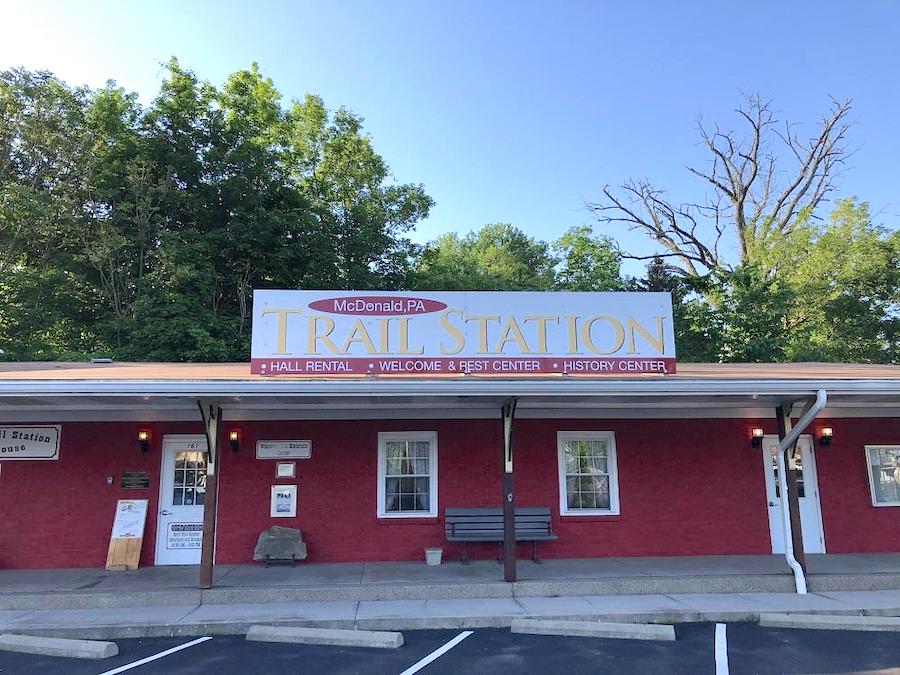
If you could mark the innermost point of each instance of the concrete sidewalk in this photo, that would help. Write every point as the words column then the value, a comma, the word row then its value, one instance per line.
column 387, row 581
column 225, row 619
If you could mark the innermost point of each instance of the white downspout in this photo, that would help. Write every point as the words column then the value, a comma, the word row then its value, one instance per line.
column 790, row 438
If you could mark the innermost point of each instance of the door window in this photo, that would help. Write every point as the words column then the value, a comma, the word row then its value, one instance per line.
column 795, row 462
column 189, row 487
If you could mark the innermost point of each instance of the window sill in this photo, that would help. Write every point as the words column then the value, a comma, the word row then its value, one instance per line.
column 590, row 518
column 407, row 520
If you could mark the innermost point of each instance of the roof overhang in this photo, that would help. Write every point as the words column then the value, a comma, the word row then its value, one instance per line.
column 463, row 397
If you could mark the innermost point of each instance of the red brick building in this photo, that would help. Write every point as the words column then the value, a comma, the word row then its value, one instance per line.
column 629, row 465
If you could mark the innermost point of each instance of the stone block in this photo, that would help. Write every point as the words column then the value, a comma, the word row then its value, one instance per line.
column 280, row 544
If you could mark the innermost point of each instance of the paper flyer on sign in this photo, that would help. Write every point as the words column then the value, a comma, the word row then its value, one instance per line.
column 130, row 517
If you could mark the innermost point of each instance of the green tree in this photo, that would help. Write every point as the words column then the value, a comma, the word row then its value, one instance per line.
column 844, row 277
column 361, row 216
column 496, row 257
column 141, row 232
column 47, row 307
column 589, row 263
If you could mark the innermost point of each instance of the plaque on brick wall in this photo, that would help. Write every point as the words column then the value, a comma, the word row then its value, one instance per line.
column 135, row 480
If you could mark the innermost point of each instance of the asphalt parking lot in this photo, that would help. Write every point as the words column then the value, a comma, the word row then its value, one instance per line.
column 750, row 649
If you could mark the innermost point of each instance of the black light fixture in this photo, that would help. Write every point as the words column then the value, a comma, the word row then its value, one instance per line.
column 825, row 435
column 144, row 440
column 756, row 437
column 234, row 439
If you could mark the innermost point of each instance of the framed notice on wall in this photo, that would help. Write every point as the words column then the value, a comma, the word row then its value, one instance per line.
column 127, row 534
column 284, row 501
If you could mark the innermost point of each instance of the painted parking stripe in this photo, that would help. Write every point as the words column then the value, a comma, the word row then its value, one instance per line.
column 721, row 650
column 437, row 653
column 135, row 664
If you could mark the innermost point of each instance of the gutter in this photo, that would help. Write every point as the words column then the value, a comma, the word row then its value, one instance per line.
column 788, row 442
column 474, row 386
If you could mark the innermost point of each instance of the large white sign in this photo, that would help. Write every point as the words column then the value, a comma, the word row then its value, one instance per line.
column 441, row 333
column 29, row 442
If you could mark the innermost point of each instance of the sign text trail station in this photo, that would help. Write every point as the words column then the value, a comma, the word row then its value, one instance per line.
column 452, row 333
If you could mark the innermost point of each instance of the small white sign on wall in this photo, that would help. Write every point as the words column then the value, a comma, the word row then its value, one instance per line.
column 184, row 535
column 29, row 442
column 285, row 470
column 283, row 449
column 284, row 501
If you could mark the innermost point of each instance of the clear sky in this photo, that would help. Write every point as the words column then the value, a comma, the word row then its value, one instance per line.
column 512, row 111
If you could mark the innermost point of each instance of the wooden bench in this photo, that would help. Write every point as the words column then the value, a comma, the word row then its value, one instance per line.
column 532, row 523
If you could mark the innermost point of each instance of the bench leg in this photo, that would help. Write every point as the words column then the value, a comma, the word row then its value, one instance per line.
column 465, row 554
column 534, row 553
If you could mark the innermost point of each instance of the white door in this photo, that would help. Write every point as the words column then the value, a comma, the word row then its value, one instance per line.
column 182, row 490
column 808, row 485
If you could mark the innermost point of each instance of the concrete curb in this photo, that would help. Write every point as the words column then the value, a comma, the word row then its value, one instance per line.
column 48, row 646
column 223, row 595
column 325, row 636
column 595, row 629
column 99, row 599
column 355, row 592
column 239, row 627
column 830, row 622
column 236, row 624
column 875, row 581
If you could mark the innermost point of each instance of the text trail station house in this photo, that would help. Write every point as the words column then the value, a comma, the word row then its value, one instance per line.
column 382, row 423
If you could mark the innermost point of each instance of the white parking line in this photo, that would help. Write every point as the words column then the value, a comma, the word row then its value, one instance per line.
column 135, row 664
column 437, row 653
column 721, row 650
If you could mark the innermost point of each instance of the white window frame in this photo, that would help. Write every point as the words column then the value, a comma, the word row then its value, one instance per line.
column 612, row 466
column 431, row 437
column 880, row 446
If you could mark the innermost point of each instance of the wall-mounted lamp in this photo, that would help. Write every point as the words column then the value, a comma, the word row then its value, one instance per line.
column 234, row 439
column 825, row 435
column 144, row 440
column 756, row 437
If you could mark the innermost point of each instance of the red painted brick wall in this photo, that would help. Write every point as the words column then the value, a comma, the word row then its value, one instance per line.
column 687, row 487
column 852, row 524
column 60, row 513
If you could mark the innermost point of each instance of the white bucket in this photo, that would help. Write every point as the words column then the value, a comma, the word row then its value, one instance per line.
column 433, row 556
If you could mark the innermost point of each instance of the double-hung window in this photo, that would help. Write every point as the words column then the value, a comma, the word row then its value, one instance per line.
column 884, row 474
column 588, row 482
column 407, row 474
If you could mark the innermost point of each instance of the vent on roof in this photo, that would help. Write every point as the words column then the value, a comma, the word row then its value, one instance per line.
column 102, row 360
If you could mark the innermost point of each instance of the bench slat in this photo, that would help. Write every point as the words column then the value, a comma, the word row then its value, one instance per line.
column 532, row 523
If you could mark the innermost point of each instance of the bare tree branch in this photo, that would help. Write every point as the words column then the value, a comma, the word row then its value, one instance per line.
column 755, row 190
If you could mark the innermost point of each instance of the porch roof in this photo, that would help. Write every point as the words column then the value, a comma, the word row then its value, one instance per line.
column 44, row 391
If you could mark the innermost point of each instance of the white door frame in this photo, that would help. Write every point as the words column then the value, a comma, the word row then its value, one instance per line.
column 811, row 490
column 164, row 483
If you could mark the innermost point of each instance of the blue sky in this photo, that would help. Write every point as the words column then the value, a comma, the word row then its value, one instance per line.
column 513, row 111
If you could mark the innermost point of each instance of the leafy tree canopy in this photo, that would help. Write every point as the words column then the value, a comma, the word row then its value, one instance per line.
column 140, row 232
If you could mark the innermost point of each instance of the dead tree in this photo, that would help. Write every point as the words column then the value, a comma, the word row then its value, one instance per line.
column 760, row 184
